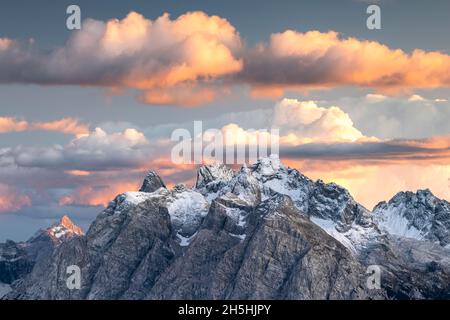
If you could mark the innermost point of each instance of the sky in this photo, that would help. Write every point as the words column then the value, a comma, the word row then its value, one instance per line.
column 84, row 114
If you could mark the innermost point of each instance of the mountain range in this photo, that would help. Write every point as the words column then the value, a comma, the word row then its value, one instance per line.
column 265, row 231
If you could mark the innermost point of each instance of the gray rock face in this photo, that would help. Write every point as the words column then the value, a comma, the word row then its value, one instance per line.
column 14, row 262
column 328, row 205
column 264, row 232
column 18, row 259
column 44, row 241
column 152, row 182
column 334, row 203
column 270, row 252
column 119, row 242
column 277, row 254
column 412, row 269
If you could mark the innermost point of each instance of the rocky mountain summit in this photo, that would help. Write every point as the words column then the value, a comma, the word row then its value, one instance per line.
column 263, row 232
column 419, row 215
column 18, row 259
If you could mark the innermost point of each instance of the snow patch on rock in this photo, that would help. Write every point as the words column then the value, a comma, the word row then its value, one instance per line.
column 187, row 209
column 393, row 222
column 185, row 241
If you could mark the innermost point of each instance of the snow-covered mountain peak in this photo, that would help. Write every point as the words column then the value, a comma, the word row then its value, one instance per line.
column 269, row 166
column 327, row 204
column 262, row 220
column 421, row 197
column 66, row 223
column 64, row 228
column 213, row 173
column 419, row 215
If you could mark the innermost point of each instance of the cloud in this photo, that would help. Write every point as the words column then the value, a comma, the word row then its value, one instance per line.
column 187, row 95
column 77, row 172
column 11, row 200
column 97, row 195
column 425, row 150
column 370, row 183
column 294, row 60
column 153, row 56
column 396, row 116
column 365, row 167
column 436, row 142
column 5, row 43
column 97, row 150
column 8, row 124
column 304, row 122
column 360, row 166
column 306, row 131
column 66, row 125
column 434, row 149
column 290, row 123
column 320, row 138
column 193, row 59
column 236, row 135
column 415, row 98
column 99, row 188
column 299, row 122
column 373, row 98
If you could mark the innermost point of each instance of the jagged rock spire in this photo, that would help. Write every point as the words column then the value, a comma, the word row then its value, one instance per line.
column 65, row 228
column 152, row 182
column 69, row 225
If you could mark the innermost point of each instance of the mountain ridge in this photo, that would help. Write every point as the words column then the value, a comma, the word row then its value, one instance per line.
column 268, row 230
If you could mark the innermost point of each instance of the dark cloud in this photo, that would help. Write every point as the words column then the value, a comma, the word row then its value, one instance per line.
column 389, row 150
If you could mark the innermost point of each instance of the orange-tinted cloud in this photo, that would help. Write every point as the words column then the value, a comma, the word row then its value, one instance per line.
column 295, row 60
column 8, row 124
column 437, row 142
column 5, row 43
column 99, row 188
column 11, row 200
column 66, row 125
column 97, row 195
column 368, row 181
column 184, row 61
column 203, row 46
column 163, row 58
column 182, row 95
column 372, row 182
column 374, row 172
column 77, row 172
